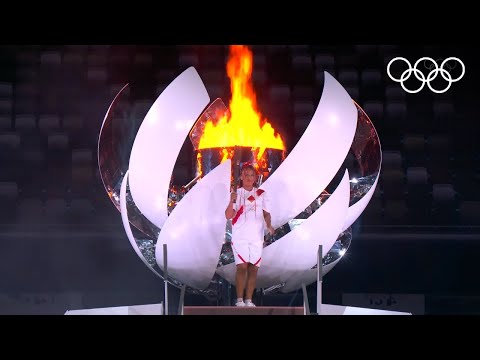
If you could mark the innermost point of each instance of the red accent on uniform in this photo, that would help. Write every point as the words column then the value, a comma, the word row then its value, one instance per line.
column 251, row 198
column 256, row 262
column 260, row 192
column 237, row 215
column 241, row 258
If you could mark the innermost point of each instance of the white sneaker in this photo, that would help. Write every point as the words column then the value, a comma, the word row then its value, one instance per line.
column 240, row 303
column 250, row 304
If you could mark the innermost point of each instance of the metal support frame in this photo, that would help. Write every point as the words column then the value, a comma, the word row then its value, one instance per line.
column 165, row 277
column 319, row 279
column 306, row 306
column 181, row 301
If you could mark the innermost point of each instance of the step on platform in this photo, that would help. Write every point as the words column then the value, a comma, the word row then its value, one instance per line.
column 326, row 309
column 236, row 310
column 149, row 309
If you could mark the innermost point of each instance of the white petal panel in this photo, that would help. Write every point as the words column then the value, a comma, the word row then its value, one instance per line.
column 159, row 140
column 305, row 277
column 356, row 209
column 297, row 250
column 317, row 156
column 195, row 230
column 227, row 272
column 126, row 223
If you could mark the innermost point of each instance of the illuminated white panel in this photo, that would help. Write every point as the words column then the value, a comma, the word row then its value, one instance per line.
column 317, row 156
column 159, row 140
column 305, row 277
column 195, row 230
column 126, row 223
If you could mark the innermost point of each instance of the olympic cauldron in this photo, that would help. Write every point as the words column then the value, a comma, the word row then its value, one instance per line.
column 318, row 189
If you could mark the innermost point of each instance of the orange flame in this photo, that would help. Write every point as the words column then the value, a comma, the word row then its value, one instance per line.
column 246, row 125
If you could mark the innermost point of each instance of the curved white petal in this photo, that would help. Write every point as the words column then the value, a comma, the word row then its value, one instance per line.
column 126, row 223
column 317, row 156
column 297, row 250
column 305, row 277
column 159, row 141
column 356, row 209
column 195, row 230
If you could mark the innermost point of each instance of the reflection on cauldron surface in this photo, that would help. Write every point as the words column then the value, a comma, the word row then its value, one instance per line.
column 115, row 141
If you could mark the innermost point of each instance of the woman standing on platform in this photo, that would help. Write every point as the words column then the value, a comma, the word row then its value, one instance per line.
column 250, row 213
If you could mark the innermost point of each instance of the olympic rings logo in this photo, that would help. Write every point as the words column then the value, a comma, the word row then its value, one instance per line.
column 430, row 64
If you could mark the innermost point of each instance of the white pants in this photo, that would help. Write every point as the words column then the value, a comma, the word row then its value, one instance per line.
column 245, row 252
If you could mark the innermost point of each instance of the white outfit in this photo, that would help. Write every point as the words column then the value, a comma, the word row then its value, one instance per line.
column 248, row 225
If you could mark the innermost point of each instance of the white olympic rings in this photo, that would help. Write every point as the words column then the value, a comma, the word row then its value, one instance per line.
column 435, row 70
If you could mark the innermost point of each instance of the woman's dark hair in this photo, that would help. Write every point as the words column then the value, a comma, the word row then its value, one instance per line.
column 248, row 166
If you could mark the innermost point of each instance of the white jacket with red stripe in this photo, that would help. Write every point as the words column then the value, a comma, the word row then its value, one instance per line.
column 248, row 224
